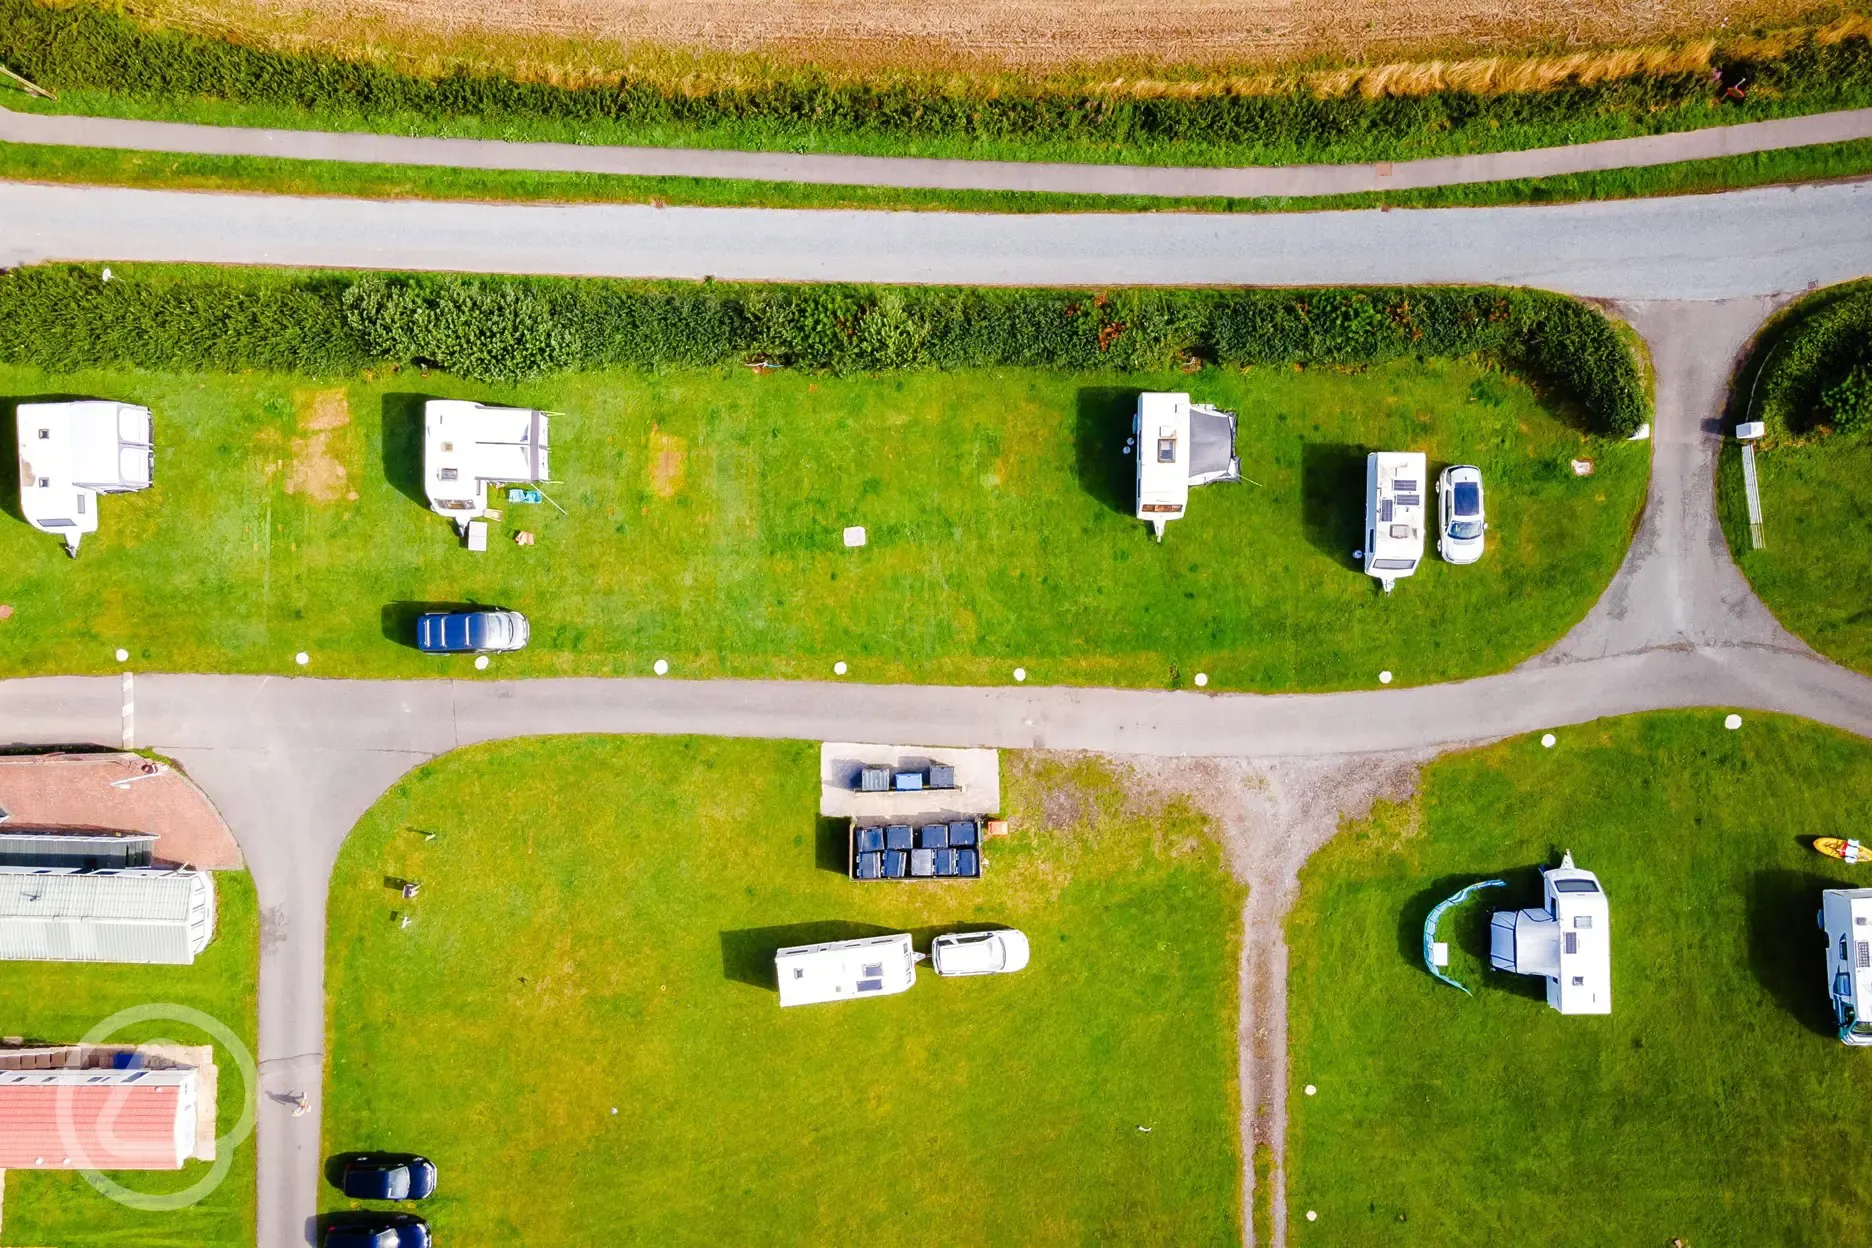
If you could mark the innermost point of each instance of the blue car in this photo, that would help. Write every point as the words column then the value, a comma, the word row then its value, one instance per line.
column 377, row 1230
column 470, row 632
column 383, row 1176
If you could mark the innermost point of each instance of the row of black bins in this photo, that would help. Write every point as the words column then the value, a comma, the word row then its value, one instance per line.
column 899, row 851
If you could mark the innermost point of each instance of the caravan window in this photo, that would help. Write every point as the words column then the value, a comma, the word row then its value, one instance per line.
column 870, row 985
column 1394, row 565
column 1575, row 886
column 1166, row 450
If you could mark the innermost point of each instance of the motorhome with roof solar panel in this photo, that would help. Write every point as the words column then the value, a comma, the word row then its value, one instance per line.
column 1394, row 514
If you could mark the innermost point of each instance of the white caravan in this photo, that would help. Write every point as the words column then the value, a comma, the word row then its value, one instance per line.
column 1394, row 514
column 1568, row 940
column 844, row 970
column 468, row 446
column 1179, row 444
column 69, row 453
column 1846, row 917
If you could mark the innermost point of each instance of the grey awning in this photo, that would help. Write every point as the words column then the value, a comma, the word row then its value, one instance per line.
column 1212, row 446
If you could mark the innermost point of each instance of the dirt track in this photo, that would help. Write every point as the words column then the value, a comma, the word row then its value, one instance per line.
column 935, row 34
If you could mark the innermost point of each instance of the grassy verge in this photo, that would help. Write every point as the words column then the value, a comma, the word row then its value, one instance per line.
column 59, row 1002
column 580, row 1025
column 705, row 509
column 102, row 62
column 1813, row 468
column 1694, row 1110
column 24, row 162
column 1813, row 572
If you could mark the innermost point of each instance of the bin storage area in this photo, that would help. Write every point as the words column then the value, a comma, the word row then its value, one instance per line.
column 950, row 849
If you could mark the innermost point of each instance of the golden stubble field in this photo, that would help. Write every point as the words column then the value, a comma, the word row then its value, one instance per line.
column 565, row 37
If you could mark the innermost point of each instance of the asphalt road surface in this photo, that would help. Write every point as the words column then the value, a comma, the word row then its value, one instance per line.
column 1688, row 247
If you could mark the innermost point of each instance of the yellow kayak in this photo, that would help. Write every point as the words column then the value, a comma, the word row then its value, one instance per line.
column 1845, row 851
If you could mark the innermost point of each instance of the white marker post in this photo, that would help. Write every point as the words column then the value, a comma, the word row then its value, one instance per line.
column 1747, row 433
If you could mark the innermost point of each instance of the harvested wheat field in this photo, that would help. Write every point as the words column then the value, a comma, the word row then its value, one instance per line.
column 564, row 38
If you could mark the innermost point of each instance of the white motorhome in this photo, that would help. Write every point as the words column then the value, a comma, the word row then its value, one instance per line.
column 1568, row 941
column 1179, row 444
column 469, row 446
column 844, row 970
column 1846, row 917
column 69, row 453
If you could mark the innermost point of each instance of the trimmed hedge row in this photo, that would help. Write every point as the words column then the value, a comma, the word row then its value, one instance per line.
column 501, row 329
column 88, row 47
column 1817, row 370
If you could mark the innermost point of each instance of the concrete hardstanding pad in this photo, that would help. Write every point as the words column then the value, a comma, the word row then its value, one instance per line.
column 114, row 792
column 977, row 776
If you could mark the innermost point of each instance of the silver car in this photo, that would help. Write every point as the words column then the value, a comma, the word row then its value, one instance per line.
column 1461, row 520
column 979, row 953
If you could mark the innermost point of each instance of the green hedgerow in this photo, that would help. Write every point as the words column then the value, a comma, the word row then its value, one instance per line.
column 1816, row 363
column 508, row 328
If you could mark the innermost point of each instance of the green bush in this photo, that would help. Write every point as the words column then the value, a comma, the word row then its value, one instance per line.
column 1816, row 366
column 1848, row 401
column 503, row 329
column 83, row 46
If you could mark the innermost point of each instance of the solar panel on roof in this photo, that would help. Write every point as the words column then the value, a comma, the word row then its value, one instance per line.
column 1409, row 500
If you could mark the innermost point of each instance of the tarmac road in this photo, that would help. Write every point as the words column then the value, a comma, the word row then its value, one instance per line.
column 1767, row 241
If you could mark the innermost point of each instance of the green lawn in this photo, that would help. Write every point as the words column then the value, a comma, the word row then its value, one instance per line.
column 1813, row 571
column 60, row 1002
column 580, row 1026
column 705, row 513
column 1714, row 1104
column 24, row 162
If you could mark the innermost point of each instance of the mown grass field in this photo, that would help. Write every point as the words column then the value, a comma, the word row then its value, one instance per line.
column 1813, row 571
column 580, row 1025
column 33, row 163
column 704, row 512
column 1714, row 1102
column 59, row 1003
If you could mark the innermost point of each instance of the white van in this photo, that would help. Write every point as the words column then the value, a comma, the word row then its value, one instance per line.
column 843, row 970
column 1846, row 917
column 1394, row 514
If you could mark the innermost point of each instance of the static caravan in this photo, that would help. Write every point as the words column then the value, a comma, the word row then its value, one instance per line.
column 844, row 970
column 468, row 446
column 1179, row 444
column 1846, row 917
column 1394, row 514
column 1568, row 941
column 69, row 453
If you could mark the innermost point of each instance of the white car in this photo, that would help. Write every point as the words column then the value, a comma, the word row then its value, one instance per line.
column 1461, row 521
column 979, row 953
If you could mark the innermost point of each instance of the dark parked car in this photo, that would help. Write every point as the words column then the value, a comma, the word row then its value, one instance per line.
column 376, row 1230
column 470, row 632
column 386, row 1177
